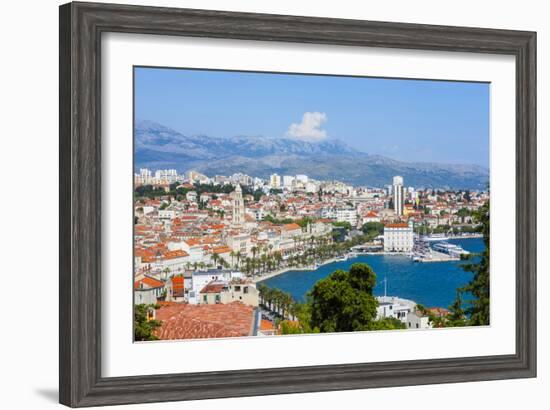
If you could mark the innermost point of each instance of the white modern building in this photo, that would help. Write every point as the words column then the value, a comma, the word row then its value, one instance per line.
column 394, row 307
column 397, row 191
column 275, row 181
column 398, row 237
column 169, row 175
column 347, row 215
column 288, row 180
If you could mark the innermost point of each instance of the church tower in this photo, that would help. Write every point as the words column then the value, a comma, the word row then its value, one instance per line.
column 238, row 207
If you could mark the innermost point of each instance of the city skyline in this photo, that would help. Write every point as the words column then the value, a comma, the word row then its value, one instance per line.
column 448, row 124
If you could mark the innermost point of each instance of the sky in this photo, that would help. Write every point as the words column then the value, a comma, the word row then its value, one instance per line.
column 408, row 120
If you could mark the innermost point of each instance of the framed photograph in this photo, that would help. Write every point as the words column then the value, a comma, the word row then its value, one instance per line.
column 270, row 204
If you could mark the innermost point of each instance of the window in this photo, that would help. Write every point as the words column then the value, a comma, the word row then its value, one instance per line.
column 237, row 288
column 245, row 289
column 417, row 326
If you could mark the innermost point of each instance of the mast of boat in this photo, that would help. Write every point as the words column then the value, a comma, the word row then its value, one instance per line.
column 385, row 286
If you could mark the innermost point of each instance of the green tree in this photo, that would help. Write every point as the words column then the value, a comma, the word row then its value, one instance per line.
column 372, row 229
column 342, row 224
column 478, row 308
column 144, row 326
column 457, row 316
column 343, row 301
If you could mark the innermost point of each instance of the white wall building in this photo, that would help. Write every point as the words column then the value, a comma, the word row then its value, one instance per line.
column 398, row 238
column 347, row 215
column 199, row 279
column 288, row 181
column 416, row 320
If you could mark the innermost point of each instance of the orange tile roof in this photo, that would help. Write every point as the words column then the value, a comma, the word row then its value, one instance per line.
column 222, row 249
column 184, row 321
column 213, row 287
column 266, row 325
column 175, row 254
column 150, row 283
column 397, row 225
column 291, row 227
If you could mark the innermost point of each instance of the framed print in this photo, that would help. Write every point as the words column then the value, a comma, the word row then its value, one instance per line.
column 276, row 204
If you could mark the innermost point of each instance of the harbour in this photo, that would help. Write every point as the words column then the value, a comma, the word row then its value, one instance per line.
column 430, row 284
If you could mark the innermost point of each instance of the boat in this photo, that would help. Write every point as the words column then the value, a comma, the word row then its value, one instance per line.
column 342, row 258
column 450, row 249
column 434, row 237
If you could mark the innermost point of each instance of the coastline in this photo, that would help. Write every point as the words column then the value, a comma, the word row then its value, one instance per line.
column 332, row 260
column 290, row 268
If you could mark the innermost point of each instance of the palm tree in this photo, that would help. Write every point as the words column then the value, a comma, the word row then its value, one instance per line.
column 254, row 251
column 238, row 256
column 215, row 259
column 263, row 262
column 278, row 258
column 232, row 255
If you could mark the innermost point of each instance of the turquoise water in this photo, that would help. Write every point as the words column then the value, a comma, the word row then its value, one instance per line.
column 431, row 284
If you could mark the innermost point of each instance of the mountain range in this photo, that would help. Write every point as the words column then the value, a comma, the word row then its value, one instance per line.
column 159, row 147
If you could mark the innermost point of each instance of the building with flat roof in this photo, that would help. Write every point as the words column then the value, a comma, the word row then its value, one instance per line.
column 398, row 237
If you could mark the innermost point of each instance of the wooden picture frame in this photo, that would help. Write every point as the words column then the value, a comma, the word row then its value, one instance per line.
column 81, row 27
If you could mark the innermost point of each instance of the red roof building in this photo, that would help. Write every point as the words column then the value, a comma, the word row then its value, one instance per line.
column 184, row 321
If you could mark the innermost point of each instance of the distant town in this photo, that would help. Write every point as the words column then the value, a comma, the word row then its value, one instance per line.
column 204, row 244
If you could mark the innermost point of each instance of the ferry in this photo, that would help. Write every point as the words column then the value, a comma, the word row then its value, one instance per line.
column 450, row 249
column 434, row 237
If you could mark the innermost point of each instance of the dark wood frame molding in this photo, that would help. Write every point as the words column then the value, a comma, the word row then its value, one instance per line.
column 81, row 27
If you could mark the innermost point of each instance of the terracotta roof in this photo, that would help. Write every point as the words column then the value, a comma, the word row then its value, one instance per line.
column 291, row 227
column 399, row 225
column 175, row 254
column 213, row 287
column 266, row 325
column 439, row 312
column 149, row 283
column 184, row 321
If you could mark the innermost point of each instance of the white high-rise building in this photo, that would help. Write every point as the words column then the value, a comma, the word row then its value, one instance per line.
column 145, row 175
column 398, row 199
column 275, row 181
column 169, row 175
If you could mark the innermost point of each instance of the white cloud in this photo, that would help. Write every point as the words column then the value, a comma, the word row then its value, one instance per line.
column 310, row 127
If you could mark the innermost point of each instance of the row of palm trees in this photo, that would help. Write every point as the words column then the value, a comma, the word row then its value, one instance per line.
column 306, row 251
column 278, row 302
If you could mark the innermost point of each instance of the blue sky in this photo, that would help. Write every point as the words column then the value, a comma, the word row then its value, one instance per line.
column 409, row 120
